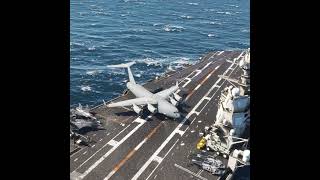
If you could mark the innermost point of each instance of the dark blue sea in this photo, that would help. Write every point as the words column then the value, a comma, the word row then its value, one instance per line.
column 159, row 35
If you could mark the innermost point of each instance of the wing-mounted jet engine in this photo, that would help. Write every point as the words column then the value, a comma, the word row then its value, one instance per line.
column 136, row 109
column 173, row 101
column 177, row 97
column 151, row 108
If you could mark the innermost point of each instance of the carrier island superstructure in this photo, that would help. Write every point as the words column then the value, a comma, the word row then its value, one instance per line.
column 211, row 139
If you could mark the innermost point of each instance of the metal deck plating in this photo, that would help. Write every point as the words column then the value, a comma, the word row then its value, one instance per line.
column 153, row 146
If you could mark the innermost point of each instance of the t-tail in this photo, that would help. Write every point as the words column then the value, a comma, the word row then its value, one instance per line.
column 125, row 65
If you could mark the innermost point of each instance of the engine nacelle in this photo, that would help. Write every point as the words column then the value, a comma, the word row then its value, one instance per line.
column 136, row 109
column 151, row 108
column 174, row 102
column 177, row 97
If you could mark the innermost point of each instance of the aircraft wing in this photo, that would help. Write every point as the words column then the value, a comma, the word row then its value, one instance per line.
column 136, row 101
column 167, row 92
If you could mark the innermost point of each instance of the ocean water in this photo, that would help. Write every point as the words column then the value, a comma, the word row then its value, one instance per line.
column 159, row 35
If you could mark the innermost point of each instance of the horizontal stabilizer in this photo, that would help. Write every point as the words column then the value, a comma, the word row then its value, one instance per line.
column 124, row 65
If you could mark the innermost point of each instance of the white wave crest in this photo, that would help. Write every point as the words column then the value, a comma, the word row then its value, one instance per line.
column 179, row 63
column 157, row 24
column 232, row 5
column 93, row 72
column 173, row 28
column 212, row 22
column 86, row 88
column 117, row 71
column 92, row 48
column 137, row 75
column 195, row 4
column 76, row 43
column 186, row 17
column 221, row 12
column 149, row 61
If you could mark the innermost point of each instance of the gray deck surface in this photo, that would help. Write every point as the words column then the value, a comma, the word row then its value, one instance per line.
column 153, row 146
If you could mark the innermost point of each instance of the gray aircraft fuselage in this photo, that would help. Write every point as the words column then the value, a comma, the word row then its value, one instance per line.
column 164, row 107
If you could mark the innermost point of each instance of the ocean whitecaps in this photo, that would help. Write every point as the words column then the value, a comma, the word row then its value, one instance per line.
column 232, row 5
column 222, row 12
column 214, row 23
column 92, row 48
column 157, row 24
column 86, row 88
column 195, row 4
column 93, row 72
column 186, row 17
column 76, row 44
column 179, row 63
column 149, row 61
column 173, row 28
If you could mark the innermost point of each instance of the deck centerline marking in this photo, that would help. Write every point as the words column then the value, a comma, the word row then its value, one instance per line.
column 110, row 151
column 101, row 148
column 132, row 152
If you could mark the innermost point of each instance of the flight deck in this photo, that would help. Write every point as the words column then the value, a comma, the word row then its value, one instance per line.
column 153, row 146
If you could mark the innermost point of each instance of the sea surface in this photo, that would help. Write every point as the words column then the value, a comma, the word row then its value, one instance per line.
column 159, row 35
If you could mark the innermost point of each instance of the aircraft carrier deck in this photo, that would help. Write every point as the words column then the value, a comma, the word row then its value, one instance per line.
column 155, row 147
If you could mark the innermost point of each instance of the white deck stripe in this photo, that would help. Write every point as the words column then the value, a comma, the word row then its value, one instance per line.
column 111, row 150
column 220, row 53
column 190, row 172
column 197, row 87
column 158, row 159
column 185, row 84
column 112, row 142
column 135, row 149
column 162, row 158
column 213, row 55
column 140, row 144
column 101, row 148
column 215, row 85
column 180, row 132
column 141, row 121
column 77, row 152
column 206, row 66
column 110, row 174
